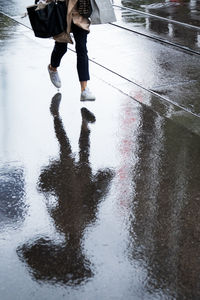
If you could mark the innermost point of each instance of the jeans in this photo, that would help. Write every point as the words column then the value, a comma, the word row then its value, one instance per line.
column 80, row 36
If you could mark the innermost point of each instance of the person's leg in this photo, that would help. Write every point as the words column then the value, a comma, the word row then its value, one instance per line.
column 59, row 50
column 80, row 36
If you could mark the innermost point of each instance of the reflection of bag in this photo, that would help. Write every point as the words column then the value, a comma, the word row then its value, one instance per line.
column 49, row 20
column 102, row 12
column 84, row 8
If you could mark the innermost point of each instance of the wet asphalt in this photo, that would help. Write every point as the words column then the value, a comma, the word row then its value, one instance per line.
column 101, row 200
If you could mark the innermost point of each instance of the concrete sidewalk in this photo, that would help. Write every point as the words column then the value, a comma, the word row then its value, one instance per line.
column 170, row 74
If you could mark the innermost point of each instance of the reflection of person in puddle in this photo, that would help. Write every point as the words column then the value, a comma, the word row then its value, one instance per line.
column 78, row 193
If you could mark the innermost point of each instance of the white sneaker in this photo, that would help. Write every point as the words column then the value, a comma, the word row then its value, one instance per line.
column 87, row 95
column 55, row 79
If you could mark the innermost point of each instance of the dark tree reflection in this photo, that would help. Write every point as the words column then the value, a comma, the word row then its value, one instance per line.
column 165, row 228
column 78, row 193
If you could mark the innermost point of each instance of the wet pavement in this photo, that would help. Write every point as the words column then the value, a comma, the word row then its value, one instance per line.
column 179, row 10
column 99, row 200
column 164, row 29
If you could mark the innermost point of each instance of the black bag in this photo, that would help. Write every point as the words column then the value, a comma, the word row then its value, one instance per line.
column 48, row 21
column 84, row 8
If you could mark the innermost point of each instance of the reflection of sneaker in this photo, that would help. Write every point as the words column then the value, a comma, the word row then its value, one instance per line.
column 86, row 95
column 55, row 79
column 55, row 102
column 87, row 115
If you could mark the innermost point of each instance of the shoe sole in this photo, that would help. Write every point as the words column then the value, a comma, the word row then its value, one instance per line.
column 88, row 99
